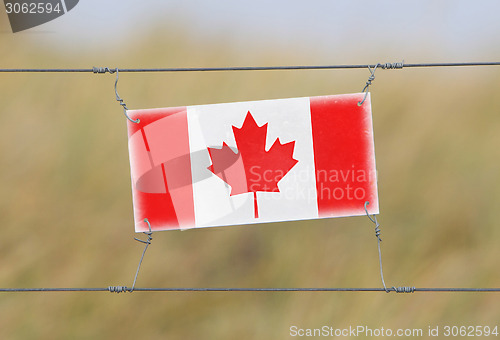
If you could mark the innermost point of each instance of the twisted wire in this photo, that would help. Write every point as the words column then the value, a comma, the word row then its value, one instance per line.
column 392, row 66
column 377, row 234
column 117, row 289
column 404, row 289
column 118, row 99
column 368, row 83
column 102, row 70
column 147, row 242
column 379, row 239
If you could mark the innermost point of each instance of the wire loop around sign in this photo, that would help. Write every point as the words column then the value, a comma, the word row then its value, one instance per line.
column 385, row 66
column 102, row 70
column 377, row 235
column 123, row 289
column 118, row 99
column 368, row 83
column 147, row 242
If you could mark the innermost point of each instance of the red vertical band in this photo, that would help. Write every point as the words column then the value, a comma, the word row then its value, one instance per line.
column 344, row 155
column 161, row 169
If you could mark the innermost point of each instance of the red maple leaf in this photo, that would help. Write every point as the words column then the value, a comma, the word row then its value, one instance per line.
column 252, row 168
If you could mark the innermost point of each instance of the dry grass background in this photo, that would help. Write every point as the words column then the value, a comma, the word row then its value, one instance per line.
column 66, row 212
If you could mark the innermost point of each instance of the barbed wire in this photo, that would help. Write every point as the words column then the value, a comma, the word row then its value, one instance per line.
column 398, row 65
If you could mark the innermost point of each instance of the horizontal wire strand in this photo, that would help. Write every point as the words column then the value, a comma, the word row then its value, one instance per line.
column 136, row 289
column 247, row 68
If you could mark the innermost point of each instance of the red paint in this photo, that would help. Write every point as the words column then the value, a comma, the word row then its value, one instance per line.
column 161, row 169
column 343, row 155
column 256, row 212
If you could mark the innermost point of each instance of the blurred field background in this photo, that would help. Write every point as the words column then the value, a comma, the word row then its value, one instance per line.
column 66, row 211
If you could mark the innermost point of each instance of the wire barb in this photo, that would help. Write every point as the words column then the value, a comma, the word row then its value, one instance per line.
column 404, row 289
column 102, row 70
column 118, row 289
column 392, row 66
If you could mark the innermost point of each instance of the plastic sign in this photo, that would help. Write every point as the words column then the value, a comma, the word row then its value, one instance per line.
column 252, row 162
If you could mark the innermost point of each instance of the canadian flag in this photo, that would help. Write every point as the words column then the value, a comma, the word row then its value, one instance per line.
column 252, row 162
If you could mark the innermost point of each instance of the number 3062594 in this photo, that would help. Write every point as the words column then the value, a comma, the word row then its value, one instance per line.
column 461, row 331
column 32, row 8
